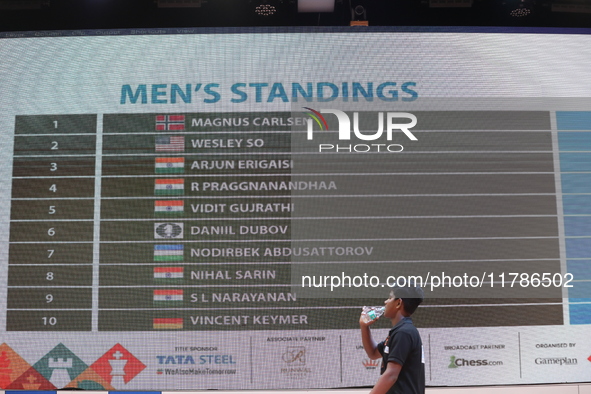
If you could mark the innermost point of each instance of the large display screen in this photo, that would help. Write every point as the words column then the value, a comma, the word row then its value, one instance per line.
column 211, row 210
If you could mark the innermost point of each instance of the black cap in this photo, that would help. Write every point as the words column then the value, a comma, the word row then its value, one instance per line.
column 411, row 290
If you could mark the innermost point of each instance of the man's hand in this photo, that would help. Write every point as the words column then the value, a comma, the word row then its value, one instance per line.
column 369, row 345
column 363, row 324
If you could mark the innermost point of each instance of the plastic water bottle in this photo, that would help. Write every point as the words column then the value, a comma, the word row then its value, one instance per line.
column 370, row 313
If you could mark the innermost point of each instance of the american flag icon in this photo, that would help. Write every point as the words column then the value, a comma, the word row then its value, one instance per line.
column 170, row 144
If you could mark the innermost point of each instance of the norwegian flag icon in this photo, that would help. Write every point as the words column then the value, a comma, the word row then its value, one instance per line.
column 170, row 122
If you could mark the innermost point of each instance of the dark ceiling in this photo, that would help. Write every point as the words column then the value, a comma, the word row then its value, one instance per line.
column 119, row 14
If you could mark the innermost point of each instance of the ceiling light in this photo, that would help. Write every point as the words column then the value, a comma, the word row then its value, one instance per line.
column 265, row 9
column 519, row 8
column 520, row 12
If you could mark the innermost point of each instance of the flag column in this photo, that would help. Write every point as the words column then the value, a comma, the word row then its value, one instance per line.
column 51, row 228
column 141, row 248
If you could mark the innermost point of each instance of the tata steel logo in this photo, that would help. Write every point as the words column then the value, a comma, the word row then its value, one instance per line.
column 189, row 360
column 345, row 132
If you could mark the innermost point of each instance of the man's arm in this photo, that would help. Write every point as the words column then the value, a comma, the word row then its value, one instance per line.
column 388, row 378
column 369, row 345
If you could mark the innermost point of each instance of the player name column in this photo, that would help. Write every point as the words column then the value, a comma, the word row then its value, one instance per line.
column 51, row 229
column 191, row 205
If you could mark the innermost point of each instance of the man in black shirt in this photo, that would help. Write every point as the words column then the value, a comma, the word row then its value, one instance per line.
column 403, row 363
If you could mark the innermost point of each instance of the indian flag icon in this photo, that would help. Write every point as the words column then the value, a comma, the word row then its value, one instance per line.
column 170, row 165
column 169, row 207
column 168, row 297
column 168, row 324
column 163, row 187
column 169, row 273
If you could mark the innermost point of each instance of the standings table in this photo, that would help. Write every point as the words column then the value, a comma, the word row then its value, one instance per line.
column 141, row 222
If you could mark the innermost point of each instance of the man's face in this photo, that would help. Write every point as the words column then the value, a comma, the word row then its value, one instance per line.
column 392, row 304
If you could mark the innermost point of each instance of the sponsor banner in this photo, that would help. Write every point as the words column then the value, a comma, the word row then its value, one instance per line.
column 358, row 369
column 292, row 359
column 557, row 351
column 469, row 356
column 126, row 362
column 62, row 368
column 171, row 359
column 198, row 363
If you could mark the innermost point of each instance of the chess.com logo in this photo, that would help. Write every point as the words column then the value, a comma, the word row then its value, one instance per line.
column 345, row 133
column 462, row 362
